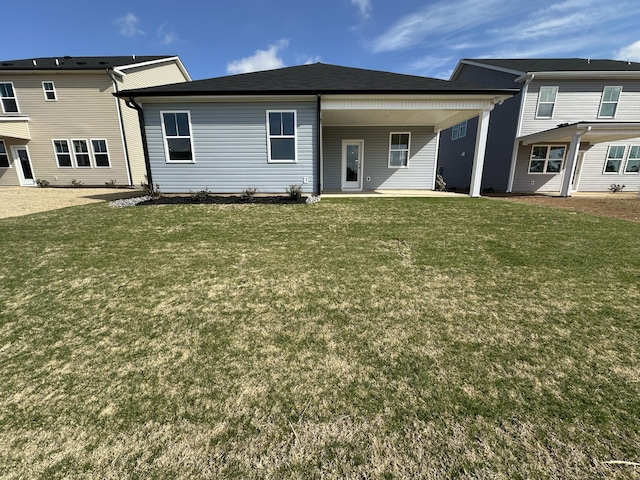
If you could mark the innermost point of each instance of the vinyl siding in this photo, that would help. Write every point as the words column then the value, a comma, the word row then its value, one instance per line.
column 149, row 76
column 525, row 182
column 456, row 168
column 9, row 176
column 85, row 109
column 579, row 101
column 230, row 148
column 422, row 157
column 592, row 178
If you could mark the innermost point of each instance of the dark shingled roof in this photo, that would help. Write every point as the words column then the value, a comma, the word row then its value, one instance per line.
column 526, row 65
column 76, row 63
column 313, row 79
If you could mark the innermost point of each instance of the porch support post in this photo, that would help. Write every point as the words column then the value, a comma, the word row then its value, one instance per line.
column 572, row 161
column 478, row 159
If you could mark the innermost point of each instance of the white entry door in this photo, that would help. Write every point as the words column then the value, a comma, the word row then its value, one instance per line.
column 352, row 164
column 23, row 165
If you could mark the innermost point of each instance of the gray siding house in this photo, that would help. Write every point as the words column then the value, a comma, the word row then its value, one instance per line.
column 326, row 128
column 574, row 125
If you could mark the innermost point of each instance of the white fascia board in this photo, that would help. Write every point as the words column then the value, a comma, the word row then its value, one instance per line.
column 13, row 118
column 223, row 99
column 582, row 75
column 154, row 62
column 487, row 66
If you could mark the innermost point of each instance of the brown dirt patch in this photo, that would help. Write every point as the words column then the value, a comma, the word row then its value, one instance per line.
column 17, row 201
column 624, row 206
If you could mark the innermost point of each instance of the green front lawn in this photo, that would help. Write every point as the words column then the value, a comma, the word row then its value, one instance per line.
column 355, row 338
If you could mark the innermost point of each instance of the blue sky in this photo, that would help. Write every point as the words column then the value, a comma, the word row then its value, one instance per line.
column 409, row 36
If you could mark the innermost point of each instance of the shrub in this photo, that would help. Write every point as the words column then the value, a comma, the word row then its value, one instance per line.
column 111, row 183
column 200, row 196
column 42, row 183
column 150, row 190
column 294, row 192
column 76, row 183
column 616, row 187
column 248, row 193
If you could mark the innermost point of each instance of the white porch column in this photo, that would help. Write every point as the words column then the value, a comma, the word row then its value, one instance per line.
column 572, row 161
column 478, row 159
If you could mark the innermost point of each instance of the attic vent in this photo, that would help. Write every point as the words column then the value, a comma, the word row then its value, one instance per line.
column 67, row 57
column 81, row 63
column 6, row 64
column 103, row 63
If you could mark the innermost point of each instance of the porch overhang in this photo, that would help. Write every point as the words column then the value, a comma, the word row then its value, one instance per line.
column 437, row 111
column 589, row 132
column 15, row 127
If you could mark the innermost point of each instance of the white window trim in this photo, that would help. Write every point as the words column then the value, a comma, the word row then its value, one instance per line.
column 555, row 101
column 408, row 149
column 75, row 158
column 455, row 130
column 6, row 152
column 602, row 102
column 94, row 153
column 15, row 97
column 44, row 91
column 55, row 152
column 626, row 163
column 294, row 136
column 546, row 160
column 622, row 160
column 167, row 159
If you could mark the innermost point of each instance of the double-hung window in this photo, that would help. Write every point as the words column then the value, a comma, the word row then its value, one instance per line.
column 459, row 130
column 399, row 149
column 615, row 155
column 633, row 161
column 8, row 97
column 100, row 152
column 81, row 152
column 281, row 141
column 49, row 90
column 4, row 156
column 176, row 129
column 609, row 104
column 546, row 102
column 547, row 158
column 63, row 154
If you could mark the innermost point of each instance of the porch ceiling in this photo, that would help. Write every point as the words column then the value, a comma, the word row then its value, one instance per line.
column 591, row 133
column 439, row 119
column 15, row 127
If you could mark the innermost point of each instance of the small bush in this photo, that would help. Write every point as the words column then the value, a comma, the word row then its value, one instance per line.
column 76, row 183
column 248, row 193
column 294, row 192
column 150, row 190
column 616, row 187
column 42, row 183
column 111, row 183
column 200, row 196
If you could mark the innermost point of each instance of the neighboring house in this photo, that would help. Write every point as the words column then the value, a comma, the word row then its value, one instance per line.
column 324, row 127
column 59, row 120
column 573, row 126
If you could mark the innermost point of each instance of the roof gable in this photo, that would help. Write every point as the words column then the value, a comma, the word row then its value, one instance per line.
column 77, row 63
column 532, row 65
column 318, row 78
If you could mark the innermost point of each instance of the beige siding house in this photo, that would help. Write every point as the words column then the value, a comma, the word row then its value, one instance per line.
column 60, row 122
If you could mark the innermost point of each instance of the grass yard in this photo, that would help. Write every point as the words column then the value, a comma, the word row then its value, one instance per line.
column 354, row 338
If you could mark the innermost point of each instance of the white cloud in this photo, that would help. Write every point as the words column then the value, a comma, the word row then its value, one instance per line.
column 166, row 35
column 437, row 19
column 260, row 60
column 129, row 25
column 364, row 7
column 630, row 52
